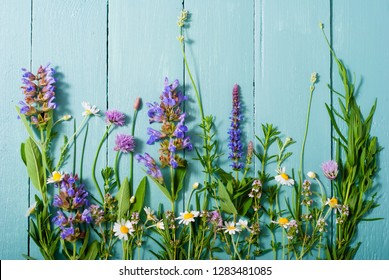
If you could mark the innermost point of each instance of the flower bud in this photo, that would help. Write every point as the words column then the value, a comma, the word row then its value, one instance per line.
column 311, row 175
column 132, row 199
column 66, row 117
column 195, row 186
column 137, row 103
column 313, row 77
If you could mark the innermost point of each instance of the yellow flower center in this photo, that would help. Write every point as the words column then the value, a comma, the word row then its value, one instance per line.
column 188, row 216
column 284, row 176
column 333, row 202
column 124, row 229
column 283, row 221
column 56, row 176
column 231, row 227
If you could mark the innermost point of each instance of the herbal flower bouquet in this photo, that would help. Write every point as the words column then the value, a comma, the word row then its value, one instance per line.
column 239, row 212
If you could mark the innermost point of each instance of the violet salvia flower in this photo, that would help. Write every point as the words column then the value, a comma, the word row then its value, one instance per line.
column 330, row 169
column 156, row 113
column 235, row 143
column 124, row 143
column 39, row 95
column 152, row 167
column 155, row 135
column 71, row 200
column 115, row 117
column 171, row 136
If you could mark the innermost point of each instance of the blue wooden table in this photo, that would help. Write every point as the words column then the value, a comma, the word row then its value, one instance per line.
column 108, row 52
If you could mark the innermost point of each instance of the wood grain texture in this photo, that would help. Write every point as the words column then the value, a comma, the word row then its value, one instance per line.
column 143, row 50
column 289, row 47
column 220, row 48
column 361, row 40
column 14, row 55
column 72, row 36
column 108, row 52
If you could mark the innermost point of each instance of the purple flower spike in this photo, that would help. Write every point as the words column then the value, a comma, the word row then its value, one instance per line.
column 330, row 169
column 115, row 117
column 235, row 144
column 124, row 143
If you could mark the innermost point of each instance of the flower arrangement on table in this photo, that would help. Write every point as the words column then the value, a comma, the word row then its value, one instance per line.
column 229, row 214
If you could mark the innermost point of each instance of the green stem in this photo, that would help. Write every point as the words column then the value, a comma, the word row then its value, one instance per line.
column 71, row 139
column 74, row 250
column 83, row 153
column 190, row 241
column 305, row 133
column 131, row 181
column 95, row 162
column 193, row 82
column 235, row 247
column 117, row 169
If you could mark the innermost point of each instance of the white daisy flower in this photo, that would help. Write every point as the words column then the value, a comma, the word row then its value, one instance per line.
column 90, row 110
column 333, row 203
column 55, row 177
column 283, row 178
column 122, row 229
column 150, row 214
column 242, row 224
column 283, row 222
column 160, row 225
column 187, row 217
column 231, row 228
column 31, row 210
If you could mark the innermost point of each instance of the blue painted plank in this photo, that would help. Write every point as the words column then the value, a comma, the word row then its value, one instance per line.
column 15, row 18
column 143, row 50
column 361, row 41
column 220, row 47
column 72, row 36
column 289, row 47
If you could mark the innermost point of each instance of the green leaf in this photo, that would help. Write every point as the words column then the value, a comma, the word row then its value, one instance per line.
column 225, row 200
column 93, row 251
column 179, row 176
column 23, row 153
column 139, row 196
column 84, row 243
column 246, row 206
column 163, row 189
column 25, row 122
column 34, row 164
column 123, row 197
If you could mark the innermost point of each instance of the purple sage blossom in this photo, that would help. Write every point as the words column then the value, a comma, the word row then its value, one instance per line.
column 39, row 95
column 155, row 135
column 330, row 169
column 235, row 143
column 115, row 117
column 152, row 167
column 156, row 113
column 124, row 143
